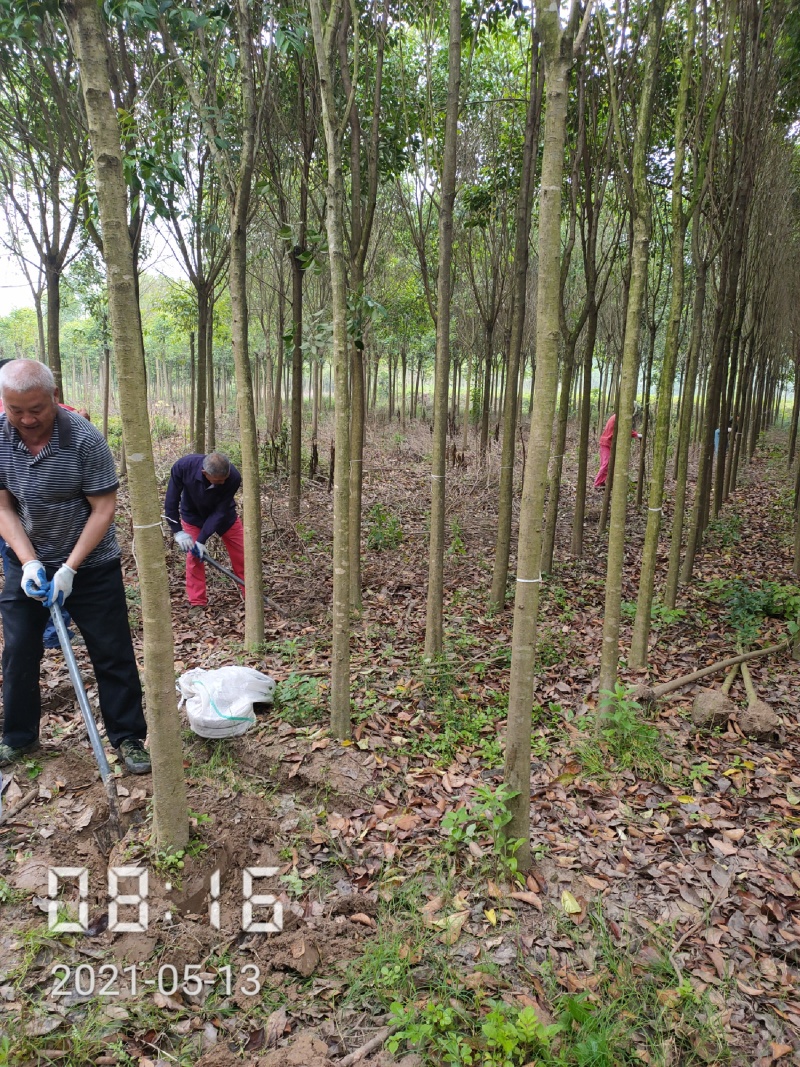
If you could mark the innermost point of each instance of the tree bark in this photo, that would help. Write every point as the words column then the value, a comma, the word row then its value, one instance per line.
column 297, row 379
column 170, row 812
column 642, row 227
column 434, row 615
column 324, row 41
column 557, row 50
column 524, row 210
column 644, row 604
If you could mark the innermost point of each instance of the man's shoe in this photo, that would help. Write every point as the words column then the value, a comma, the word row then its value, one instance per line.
column 134, row 756
column 11, row 755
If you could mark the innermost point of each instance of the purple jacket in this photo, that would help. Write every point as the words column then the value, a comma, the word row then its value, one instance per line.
column 202, row 504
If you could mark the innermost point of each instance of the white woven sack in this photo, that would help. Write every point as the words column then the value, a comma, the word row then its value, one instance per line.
column 219, row 703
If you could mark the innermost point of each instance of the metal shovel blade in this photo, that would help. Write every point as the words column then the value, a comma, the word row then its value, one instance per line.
column 114, row 822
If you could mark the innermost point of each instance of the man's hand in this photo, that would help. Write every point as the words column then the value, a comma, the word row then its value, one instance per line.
column 61, row 586
column 34, row 580
column 184, row 541
column 199, row 550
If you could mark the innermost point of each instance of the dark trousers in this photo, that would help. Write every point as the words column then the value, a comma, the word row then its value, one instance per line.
column 97, row 604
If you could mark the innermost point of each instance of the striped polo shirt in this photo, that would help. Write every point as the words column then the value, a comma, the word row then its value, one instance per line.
column 51, row 489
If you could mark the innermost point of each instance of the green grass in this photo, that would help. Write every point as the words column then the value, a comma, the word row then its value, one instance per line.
column 635, row 1008
column 621, row 738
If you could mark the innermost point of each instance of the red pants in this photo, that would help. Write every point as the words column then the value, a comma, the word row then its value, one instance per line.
column 233, row 539
column 602, row 474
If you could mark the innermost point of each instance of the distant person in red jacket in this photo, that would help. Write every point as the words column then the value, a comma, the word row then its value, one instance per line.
column 606, row 439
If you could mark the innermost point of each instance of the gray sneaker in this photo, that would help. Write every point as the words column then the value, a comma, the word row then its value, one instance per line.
column 11, row 755
column 134, row 756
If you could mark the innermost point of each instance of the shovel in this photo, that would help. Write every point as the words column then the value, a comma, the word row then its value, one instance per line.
column 114, row 823
column 238, row 580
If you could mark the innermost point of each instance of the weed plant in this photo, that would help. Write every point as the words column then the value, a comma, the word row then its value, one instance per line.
column 298, row 700
column 623, row 739
column 747, row 606
column 383, row 529
column 637, row 1012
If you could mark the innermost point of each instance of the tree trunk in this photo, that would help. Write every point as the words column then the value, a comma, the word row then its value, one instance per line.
column 106, row 387
column 644, row 604
column 642, row 227
column 648, row 381
column 357, row 417
column 488, row 334
column 324, row 42
column 687, row 413
column 53, row 279
column 467, row 399
column 523, row 213
column 557, row 52
column 434, row 616
column 548, row 547
column 583, row 444
column 277, row 410
column 295, row 450
column 170, row 812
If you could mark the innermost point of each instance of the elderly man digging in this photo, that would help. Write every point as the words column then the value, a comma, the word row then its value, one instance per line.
column 202, row 488
column 58, row 491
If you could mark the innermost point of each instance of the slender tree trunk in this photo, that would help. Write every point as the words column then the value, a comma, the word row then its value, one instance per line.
column 648, row 379
column 644, row 604
column 277, row 410
column 685, row 424
column 434, row 623
column 42, row 346
column 642, row 228
column 557, row 52
column 583, row 445
column 523, row 213
column 106, row 387
column 795, row 408
column 295, row 450
column 404, row 360
column 248, row 435
column 357, row 420
column 170, row 812
column 205, row 399
column 210, row 424
column 488, row 334
column 324, row 43
column 548, row 547
column 53, row 280
column 192, row 389
column 467, row 400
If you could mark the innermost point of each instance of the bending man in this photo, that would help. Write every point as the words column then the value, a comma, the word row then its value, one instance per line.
column 200, row 503
column 58, row 491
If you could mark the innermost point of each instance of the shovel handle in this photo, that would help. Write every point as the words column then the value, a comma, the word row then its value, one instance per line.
column 88, row 719
column 238, row 580
column 80, row 692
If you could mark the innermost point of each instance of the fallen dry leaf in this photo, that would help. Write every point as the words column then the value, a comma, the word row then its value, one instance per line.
column 569, row 903
column 452, row 927
column 363, row 919
column 528, row 898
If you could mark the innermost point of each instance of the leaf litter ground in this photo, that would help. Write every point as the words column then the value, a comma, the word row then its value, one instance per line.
column 662, row 916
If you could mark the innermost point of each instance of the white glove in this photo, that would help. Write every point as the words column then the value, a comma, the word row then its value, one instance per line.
column 199, row 549
column 34, row 580
column 184, row 541
column 60, row 587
